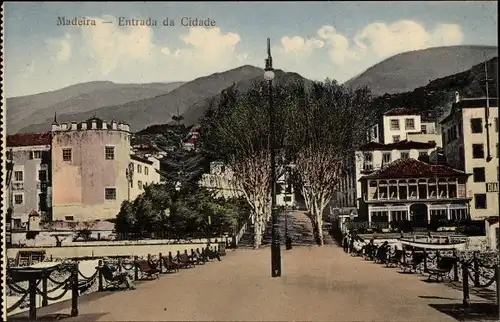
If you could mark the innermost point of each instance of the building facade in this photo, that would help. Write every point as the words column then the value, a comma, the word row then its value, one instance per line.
column 144, row 172
column 30, row 188
column 372, row 157
column 89, row 164
column 472, row 147
column 394, row 125
column 408, row 189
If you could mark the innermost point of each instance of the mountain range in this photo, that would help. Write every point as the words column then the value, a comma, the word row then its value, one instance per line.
column 143, row 105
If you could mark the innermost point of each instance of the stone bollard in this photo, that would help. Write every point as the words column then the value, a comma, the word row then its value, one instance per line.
column 455, row 266
column 170, row 256
column 136, row 268
column 74, row 291
column 160, row 262
column 465, row 286
column 425, row 260
column 120, row 265
column 149, row 258
column 476, row 270
column 32, row 298
column 45, row 300
column 178, row 254
column 99, row 275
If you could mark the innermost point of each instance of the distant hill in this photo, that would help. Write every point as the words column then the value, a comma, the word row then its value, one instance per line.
column 410, row 70
column 36, row 112
column 195, row 112
column 435, row 99
column 160, row 109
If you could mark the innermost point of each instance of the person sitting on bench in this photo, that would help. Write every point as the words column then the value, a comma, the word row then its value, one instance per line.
column 211, row 254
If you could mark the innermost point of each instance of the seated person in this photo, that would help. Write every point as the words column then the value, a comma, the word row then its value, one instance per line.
column 121, row 277
column 211, row 254
column 382, row 252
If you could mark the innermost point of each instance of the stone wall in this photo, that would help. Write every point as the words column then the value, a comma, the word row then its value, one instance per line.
column 108, row 250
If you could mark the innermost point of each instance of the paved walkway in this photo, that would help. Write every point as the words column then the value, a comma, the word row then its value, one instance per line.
column 318, row 284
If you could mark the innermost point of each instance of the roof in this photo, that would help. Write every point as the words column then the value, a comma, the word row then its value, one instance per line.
column 140, row 159
column 411, row 168
column 29, row 139
column 400, row 111
column 401, row 145
column 479, row 102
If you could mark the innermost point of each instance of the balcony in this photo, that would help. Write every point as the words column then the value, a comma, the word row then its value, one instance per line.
column 374, row 198
column 16, row 186
column 369, row 167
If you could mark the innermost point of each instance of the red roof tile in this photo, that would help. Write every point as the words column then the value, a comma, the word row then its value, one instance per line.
column 400, row 111
column 29, row 139
column 411, row 168
column 401, row 145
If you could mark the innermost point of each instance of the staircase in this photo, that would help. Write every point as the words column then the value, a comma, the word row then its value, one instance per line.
column 299, row 229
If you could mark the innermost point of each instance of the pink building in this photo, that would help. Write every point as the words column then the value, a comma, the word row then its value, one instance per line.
column 89, row 164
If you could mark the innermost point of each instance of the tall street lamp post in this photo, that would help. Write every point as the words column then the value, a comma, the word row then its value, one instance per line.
column 275, row 244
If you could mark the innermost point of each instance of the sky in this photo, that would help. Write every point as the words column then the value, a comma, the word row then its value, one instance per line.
column 319, row 40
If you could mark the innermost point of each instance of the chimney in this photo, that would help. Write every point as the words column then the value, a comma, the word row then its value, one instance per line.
column 104, row 125
column 55, row 127
column 94, row 124
column 74, row 126
column 84, row 125
column 457, row 97
column 64, row 126
column 114, row 125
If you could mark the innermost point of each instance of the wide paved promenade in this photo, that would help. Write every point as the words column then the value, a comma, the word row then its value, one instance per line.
column 320, row 284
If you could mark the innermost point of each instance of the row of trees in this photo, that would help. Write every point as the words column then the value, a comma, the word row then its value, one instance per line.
column 162, row 211
column 317, row 127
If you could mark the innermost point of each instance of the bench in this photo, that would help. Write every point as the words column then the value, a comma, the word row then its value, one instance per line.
column 113, row 279
column 417, row 259
column 395, row 259
column 444, row 266
column 169, row 264
column 147, row 268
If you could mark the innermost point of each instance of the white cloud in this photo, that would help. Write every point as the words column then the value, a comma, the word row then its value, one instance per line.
column 369, row 45
column 297, row 44
column 61, row 47
column 110, row 45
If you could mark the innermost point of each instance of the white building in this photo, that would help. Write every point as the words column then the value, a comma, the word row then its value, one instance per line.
column 394, row 125
column 222, row 182
column 30, row 188
column 472, row 147
column 145, row 172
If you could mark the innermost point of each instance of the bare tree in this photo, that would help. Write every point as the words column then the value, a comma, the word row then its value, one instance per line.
column 237, row 131
column 326, row 123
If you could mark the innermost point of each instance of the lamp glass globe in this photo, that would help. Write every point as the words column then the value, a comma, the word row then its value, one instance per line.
column 268, row 75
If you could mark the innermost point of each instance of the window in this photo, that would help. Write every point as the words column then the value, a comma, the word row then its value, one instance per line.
column 287, row 199
column 480, row 201
column 139, row 168
column 496, row 124
column 109, row 152
column 66, row 155
column 139, row 184
column 146, row 170
column 497, row 150
column 479, row 175
column 395, row 138
column 423, row 129
column 110, row 194
column 394, row 124
column 42, row 175
column 69, row 218
column 18, row 199
column 478, row 151
column 386, row 158
column 367, row 164
column 368, row 157
column 37, row 154
column 405, row 155
column 422, row 153
column 18, row 176
column 409, row 124
column 476, row 125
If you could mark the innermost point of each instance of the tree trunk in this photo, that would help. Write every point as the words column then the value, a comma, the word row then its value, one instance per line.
column 257, row 238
